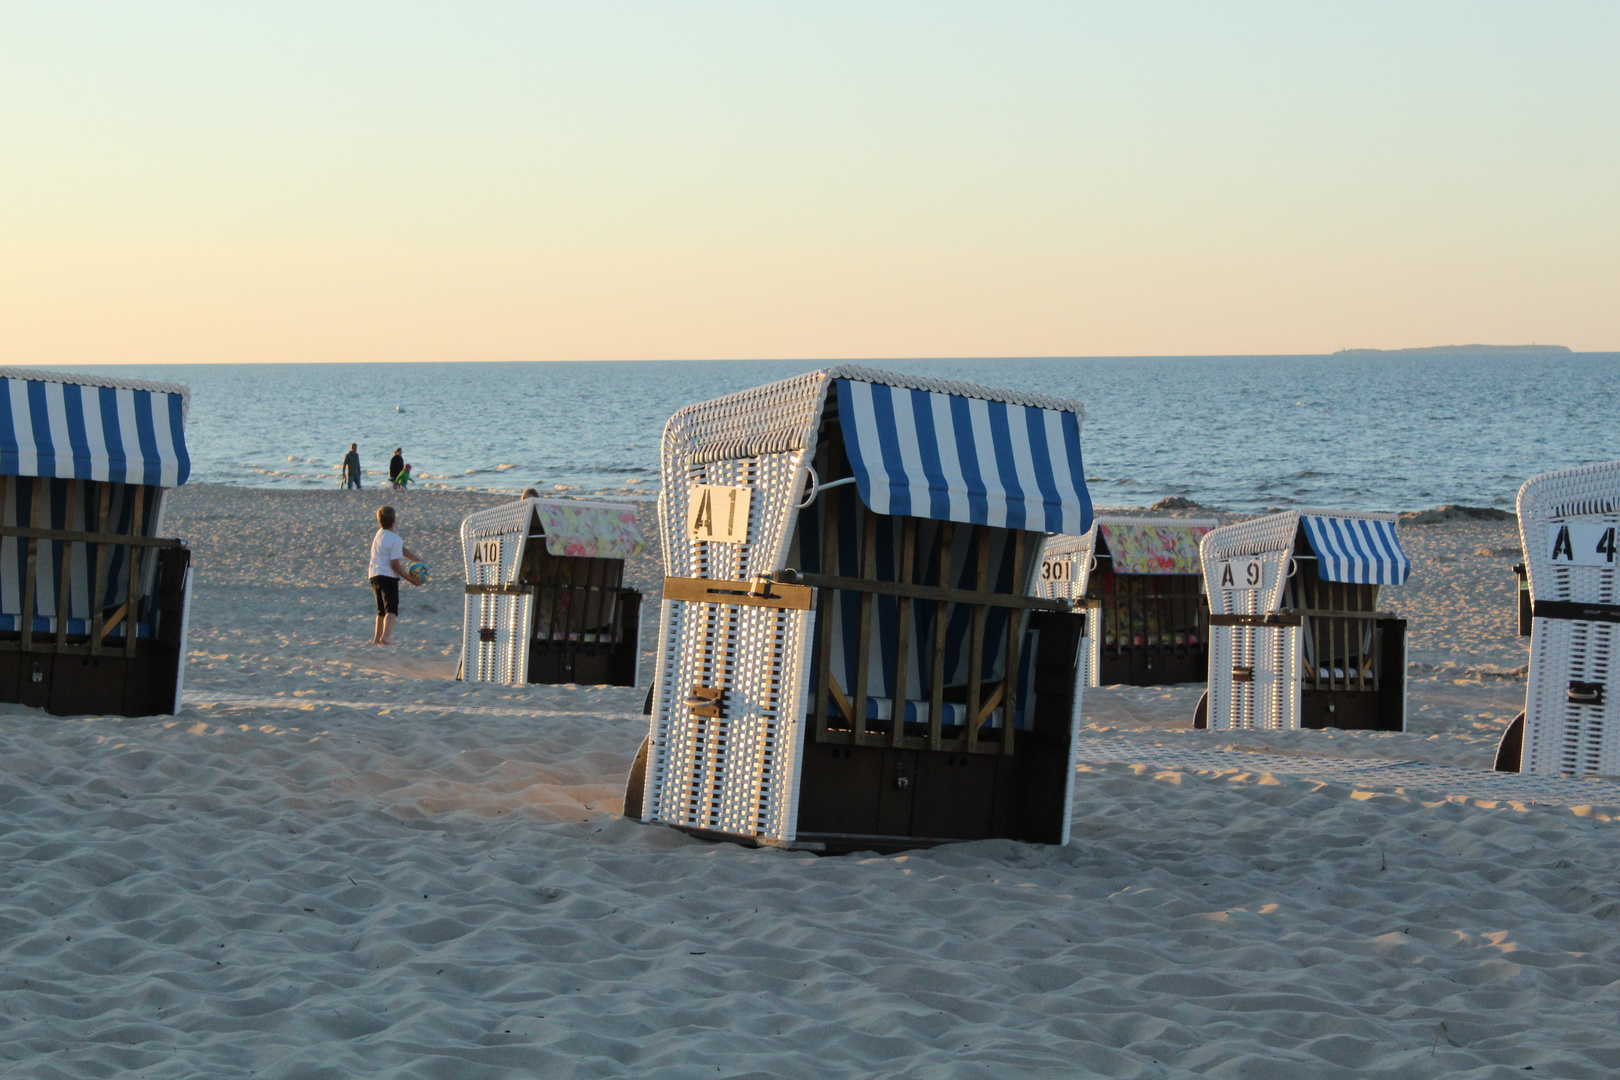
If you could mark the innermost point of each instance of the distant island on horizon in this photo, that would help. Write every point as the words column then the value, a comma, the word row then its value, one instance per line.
column 1467, row 350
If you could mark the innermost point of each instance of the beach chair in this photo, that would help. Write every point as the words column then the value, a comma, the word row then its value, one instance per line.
column 545, row 598
column 94, row 600
column 1568, row 523
column 1296, row 637
column 849, row 655
column 1140, row 582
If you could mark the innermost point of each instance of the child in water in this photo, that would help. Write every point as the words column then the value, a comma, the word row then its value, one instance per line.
column 403, row 478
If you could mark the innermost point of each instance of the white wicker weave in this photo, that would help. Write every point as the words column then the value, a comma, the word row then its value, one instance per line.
column 1065, row 567
column 503, row 660
column 735, row 774
column 1563, row 735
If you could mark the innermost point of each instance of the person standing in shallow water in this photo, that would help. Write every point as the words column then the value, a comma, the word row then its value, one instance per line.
column 395, row 464
column 351, row 467
column 388, row 565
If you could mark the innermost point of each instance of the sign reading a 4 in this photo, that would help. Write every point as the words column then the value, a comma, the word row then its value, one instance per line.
column 1581, row 543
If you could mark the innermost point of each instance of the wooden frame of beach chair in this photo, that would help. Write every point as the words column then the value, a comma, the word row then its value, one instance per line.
column 849, row 657
column 1296, row 637
column 545, row 600
column 1569, row 522
column 84, row 463
column 1149, row 621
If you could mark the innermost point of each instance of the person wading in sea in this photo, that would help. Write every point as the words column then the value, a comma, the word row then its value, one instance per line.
column 351, row 467
column 395, row 464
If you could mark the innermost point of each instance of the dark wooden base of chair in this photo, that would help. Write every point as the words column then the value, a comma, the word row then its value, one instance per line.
column 1510, row 751
column 1349, row 710
column 110, row 684
column 586, row 665
column 1146, row 666
column 1201, row 713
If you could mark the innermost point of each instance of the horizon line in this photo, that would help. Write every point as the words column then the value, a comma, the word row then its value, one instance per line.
column 820, row 359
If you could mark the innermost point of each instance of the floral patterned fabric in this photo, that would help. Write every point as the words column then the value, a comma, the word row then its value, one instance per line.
column 590, row 530
column 1154, row 549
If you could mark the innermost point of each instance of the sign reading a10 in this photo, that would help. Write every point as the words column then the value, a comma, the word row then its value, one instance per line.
column 1581, row 543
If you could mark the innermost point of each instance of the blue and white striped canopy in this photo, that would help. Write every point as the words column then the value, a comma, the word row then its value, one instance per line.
column 91, row 429
column 953, row 458
column 1361, row 551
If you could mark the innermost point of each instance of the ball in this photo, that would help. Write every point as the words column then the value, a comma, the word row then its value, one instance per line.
column 419, row 570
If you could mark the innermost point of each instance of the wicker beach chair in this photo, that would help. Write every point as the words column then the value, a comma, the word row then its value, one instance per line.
column 1139, row 579
column 849, row 656
column 545, row 597
column 1296, row 637
column 1568, row 523
column 94, row 600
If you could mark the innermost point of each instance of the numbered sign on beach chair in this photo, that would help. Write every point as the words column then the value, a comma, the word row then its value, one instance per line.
column 1569, row 522
column 545, row 597
column 1139, row 579
column 849, row 654
column 93, row 599
column 1296, row 637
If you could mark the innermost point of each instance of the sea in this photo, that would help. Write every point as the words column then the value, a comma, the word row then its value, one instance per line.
column 1239, row 433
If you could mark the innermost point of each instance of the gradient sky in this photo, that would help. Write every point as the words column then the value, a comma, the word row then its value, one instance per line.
column 338, row 181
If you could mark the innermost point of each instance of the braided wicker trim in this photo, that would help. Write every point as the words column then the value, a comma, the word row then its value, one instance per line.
column 783, row 416
column 1070, row 544
column 1275, row 532
column 956, row 389
column 67, row 378
column 1584, row 491
column 1156, row 522
column 1364, row 515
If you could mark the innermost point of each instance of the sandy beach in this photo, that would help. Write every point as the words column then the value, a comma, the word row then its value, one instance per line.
column 337, row 862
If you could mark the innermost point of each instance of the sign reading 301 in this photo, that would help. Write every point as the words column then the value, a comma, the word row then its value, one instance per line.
column 1057, row 570
column 718, row 514
column 1240, row 574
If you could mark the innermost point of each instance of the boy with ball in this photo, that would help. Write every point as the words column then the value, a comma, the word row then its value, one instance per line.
column 388, row 555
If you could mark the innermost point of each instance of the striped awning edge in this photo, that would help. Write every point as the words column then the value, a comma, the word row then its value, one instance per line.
column 1361, row 551
column 954, row 458
column 92, row 429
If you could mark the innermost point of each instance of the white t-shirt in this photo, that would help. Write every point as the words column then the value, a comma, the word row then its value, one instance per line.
column 386, row 546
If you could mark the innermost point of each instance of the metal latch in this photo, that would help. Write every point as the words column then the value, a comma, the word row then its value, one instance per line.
column 706, row 700
column 1585, row 693
column 1240, row 673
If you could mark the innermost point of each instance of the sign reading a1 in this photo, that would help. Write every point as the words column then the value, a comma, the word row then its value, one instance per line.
column 1581, row 543
column 718, row 514
column 487, row 552
column 1242, row 574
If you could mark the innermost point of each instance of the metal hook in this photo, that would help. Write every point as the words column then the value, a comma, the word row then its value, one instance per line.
column 826, row 487
column 815, row 487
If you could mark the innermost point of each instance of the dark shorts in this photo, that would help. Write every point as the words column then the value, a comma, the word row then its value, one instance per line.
column 387, row 591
